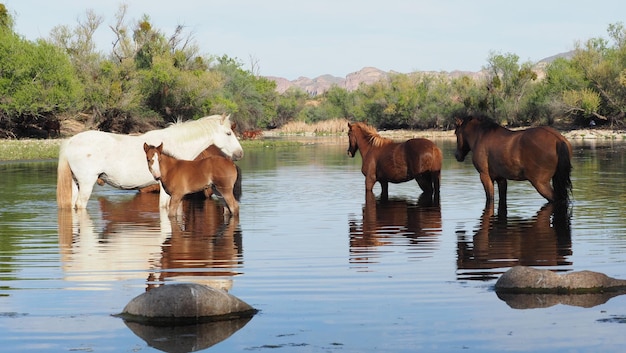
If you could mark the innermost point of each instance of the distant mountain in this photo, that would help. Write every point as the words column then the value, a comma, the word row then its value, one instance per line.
column 567, row 55
column 321, row 84
column 370, row 75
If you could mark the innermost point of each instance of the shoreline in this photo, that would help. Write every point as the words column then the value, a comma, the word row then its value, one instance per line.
column 574, row 135
column 42, row 149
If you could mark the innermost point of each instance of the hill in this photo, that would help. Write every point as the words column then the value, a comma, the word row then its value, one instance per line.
column 369, row 75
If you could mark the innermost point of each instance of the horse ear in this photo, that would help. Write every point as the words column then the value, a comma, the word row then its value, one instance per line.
column 145, row 147
column 349, row 124
column 459, row 121
column 160, row 147
column 233, row 126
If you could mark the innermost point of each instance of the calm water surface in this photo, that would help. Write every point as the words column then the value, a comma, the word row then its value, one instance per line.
column 329, row 270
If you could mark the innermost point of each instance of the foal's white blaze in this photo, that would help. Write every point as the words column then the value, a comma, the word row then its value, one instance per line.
column 155, row 169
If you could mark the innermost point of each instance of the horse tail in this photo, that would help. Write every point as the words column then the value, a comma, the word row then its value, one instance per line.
column 64, row 180
column 237, row 187
column 437, row 165
column 561, row 182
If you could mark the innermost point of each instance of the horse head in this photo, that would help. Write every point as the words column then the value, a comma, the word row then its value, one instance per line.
column 153, row 156
column 352, row 140
column 226, row 139
column 462, row 146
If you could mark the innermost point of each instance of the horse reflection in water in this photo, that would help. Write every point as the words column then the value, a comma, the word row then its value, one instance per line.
column 205, row 248
column 395, row 222
column 502, row 242
column 133, row 236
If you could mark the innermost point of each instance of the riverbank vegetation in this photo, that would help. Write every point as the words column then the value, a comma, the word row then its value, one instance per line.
column 149, row 78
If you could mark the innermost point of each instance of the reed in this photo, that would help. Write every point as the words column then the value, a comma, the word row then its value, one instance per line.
column 333, row 126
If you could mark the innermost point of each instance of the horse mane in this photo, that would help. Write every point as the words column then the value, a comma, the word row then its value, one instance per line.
column 485, row 122
column 192, row 129
column 372, row 136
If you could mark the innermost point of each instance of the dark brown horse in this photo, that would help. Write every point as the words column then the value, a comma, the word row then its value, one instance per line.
column 181, row 177
column 386, row 161
column 538, row 154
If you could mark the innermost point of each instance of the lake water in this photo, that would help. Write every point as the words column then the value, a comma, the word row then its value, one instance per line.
column 329, row 270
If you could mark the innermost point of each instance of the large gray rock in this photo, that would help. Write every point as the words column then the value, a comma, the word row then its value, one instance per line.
column 522, row 279
column 185, row 303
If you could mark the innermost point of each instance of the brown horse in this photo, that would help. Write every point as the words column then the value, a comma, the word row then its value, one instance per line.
column 210, row 151
column 386, row 161
column 537, row 154
column 182, row 177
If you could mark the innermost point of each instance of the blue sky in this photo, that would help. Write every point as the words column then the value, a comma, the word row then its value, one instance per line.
column 311, row 38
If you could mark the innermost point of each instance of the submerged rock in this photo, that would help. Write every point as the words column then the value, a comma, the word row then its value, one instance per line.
column 185, row 303
column 522, row 279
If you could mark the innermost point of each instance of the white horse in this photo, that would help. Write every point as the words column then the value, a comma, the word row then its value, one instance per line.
column 120, row 161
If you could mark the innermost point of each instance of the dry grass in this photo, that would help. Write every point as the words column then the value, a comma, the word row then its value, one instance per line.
column 340, row 127
column 334, row 126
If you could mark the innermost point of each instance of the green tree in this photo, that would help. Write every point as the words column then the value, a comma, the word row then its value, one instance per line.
column 37, row 81
column 603, row 66
column 289, row 105
column 508, row 82
column 6, row 20
column 251, row 98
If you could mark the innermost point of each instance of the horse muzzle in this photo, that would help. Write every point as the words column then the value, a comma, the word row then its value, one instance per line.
column 460, row 157
column 237, row 155
column 155, row 175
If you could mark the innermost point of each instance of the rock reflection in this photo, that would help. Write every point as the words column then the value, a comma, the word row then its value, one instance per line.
column 536, row 301
column 394, row 222
column 186, row 338
column 132, row 239
column 502, row 242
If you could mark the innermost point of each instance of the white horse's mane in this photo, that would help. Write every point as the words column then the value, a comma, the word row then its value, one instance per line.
column 193, row 129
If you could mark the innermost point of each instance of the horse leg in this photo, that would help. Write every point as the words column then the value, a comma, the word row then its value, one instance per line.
column 424, row 180
column 544, row 188
column 435, row 177
column 369, row 182
column 429, row 183
column 81, row 191
column 175, row 203
column 164, row 198
column 384, row 190
column 232, row 206
column 74, row 193
column 231, row 203
column 488, row 185
column 502, row 187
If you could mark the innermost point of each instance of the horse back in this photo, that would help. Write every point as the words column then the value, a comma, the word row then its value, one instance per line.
column 211, row 151
column 539, row 141
column 218, row 165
